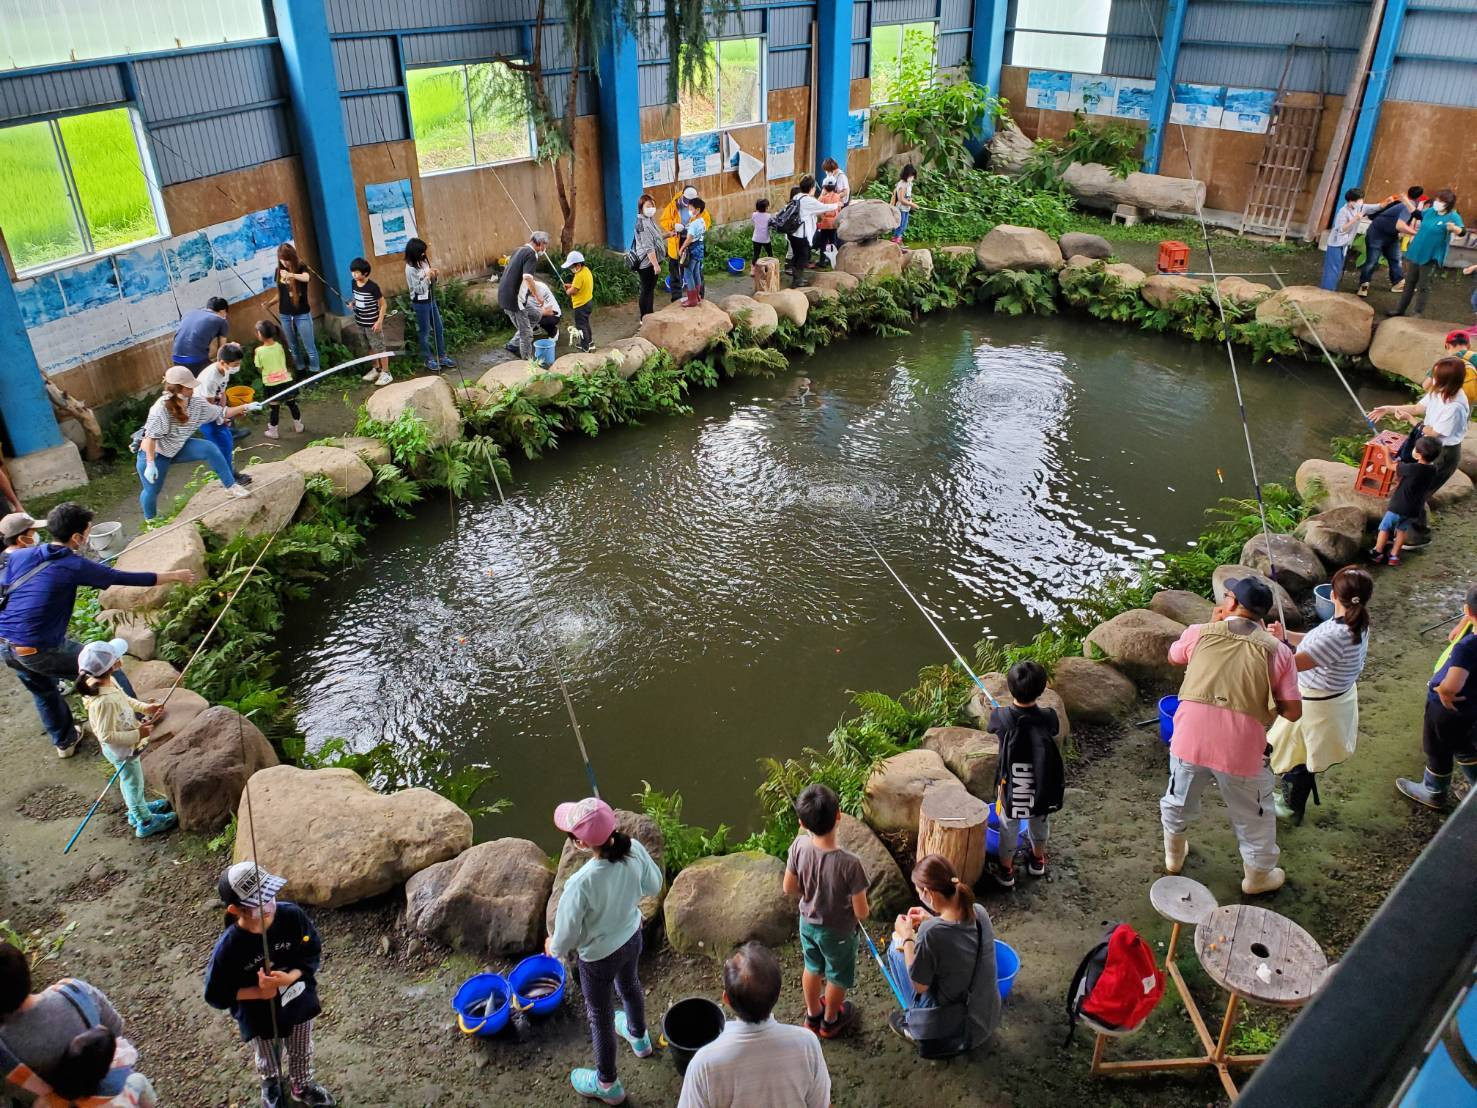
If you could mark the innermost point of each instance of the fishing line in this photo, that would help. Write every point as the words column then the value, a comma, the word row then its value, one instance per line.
column 1308, row 323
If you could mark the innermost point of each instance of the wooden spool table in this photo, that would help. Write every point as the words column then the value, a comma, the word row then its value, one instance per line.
column 1232, row 942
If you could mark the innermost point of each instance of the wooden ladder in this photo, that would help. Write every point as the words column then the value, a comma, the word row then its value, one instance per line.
column 1292, row 137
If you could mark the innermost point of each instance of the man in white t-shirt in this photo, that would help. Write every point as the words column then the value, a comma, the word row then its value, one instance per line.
column 540, row 308
column 756, row 1060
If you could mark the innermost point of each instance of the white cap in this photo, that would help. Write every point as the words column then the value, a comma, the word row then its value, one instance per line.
column 247, row 885
column 574, row 258
column 179, row 375
column 97, row 658
column 689, row 193
column 17, row 524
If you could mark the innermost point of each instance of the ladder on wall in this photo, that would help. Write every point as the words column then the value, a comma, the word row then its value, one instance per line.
column 1292, row 137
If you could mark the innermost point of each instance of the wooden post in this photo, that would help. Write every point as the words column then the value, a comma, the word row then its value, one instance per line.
column 951, row 822
column 766, row 275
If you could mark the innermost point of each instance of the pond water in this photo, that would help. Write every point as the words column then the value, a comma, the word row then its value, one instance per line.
column 707, row 590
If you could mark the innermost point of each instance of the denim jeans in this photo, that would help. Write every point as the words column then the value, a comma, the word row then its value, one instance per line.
column 523, row 324
column 692, row 272
column 902, row 222
column 898, row 965
column 1333, row 267
column 428, row 319
column 40, row 672
column 298, row 330
column 224, row 440
column 194, row 450
column 1376, row 248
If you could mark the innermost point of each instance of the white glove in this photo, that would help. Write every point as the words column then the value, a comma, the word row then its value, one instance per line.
column 256, row 405
column 151, row 473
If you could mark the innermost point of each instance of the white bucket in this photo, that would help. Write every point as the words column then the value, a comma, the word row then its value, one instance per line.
column 102, row 535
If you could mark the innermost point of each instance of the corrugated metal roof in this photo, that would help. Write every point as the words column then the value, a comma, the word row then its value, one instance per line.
column 203, row 148
column 903, row 11
column 189, row 84
column 790, row 69
column 365, row 63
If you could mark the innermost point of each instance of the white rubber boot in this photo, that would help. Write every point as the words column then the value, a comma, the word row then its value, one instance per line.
column 1176, row 846
column 1262, row 880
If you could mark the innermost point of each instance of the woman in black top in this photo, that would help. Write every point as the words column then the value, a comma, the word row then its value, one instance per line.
column 292, row 306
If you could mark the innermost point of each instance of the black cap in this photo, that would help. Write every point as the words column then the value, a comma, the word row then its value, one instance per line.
column 1252, row 593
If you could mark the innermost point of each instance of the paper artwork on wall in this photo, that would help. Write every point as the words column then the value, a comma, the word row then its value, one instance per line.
column 1133, row 98
column 858, row 128
column 1048, row 88
column 103, row 305
column 1197, row 105
column 698, row 156
column 1248, row 109
column 1093, row 94
column 658, row 163
column 391, row 215
column 779, row 152
column 740, row 161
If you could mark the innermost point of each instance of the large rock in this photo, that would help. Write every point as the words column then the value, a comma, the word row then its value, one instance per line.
column 132, row 628
column 153, row 674
column 178, row 546
column 1408, row 347
column 888, row 890
column 683, row 332
column 347, row 471
column 488, row 901
column 1093, row 692
column 184, row 707
column 1336, row 536
column 336, row 840
column 472, row 396
column 430, row 398
column 979, row 708
column 1097, row 186
column 720, row 903
column 579, row 363
column 1238, row 290
column 1458, row 487
column 864, row 220
column 1181, row 606
column 634, row 354
column 1131, row 277
column 1296, row 563
column 837, row 279
column 1074, row 243
column 1010, row 150
column 1163, row 289
column 970, row 754
column 374, row 452
column 1468, row 461
column 542, row 384
column 203, row 767
column 1327, row 485
column 879, row 258
column 814, row 294
column 894, row 791
column 1137, row 643
column 788, row 304
column 1287, row 608
column 276, row 491
column 762, row 319
column 918, row 261
column 512, row 374
column 640, row 827
column 1010, row 247
column 1343, row 321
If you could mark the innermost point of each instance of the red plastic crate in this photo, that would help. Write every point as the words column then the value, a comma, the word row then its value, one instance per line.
column 1174, row 257
column 1376, row 476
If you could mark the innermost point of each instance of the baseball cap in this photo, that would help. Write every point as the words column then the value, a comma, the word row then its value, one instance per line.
column 689, row 193
column 574, row 258
column 1252, row 593
column 179, row 375
column 590, row 820
column 16, row 524
column 246, row 885
column 96, row 658
column 1457, row 337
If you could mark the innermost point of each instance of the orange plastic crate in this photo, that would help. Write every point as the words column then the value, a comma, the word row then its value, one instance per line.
column 1174, row 257
column 1376, row 476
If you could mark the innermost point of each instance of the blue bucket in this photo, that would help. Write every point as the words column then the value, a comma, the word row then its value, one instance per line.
column 482, row 1004
column 1323, row 601
column 736, row 265
column 1007, row 965
column 992, row 832
column 1168, row 706
column 543, row 352
column 538, row 969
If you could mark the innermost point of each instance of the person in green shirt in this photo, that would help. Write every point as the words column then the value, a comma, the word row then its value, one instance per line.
column 1435, row 228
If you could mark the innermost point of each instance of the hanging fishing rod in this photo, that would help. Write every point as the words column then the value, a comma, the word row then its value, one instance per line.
column 931, row 622
column 882, row 968
column 277, row 396
column 1443, row 623
column 1308, row 323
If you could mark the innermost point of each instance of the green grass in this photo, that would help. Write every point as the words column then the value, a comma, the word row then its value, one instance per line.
column 35, row 214
column 914, row 42
column 736, row 70
column 439, row 109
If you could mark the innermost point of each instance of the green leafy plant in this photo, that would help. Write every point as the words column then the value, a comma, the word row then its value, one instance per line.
column 962, row 206
column 225, row 842
column 1348, row 449
column 408, row 437
column 684, row 843
column 1115, row 145
column 1021, row 292
column 38, row 945
column 935, row 113
column 387, row 768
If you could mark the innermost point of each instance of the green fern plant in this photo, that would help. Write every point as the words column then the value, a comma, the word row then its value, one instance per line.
column 1019, row 292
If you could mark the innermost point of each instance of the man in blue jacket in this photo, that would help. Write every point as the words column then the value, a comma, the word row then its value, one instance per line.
column 39, row 588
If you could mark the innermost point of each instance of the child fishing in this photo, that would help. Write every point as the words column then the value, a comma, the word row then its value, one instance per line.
column 271, row 360
column 581, row 291
column 113, row 717
column 902, row 200
column 1029, row 775
column 1416, row 481
column 274, row 1005
column 694, row 246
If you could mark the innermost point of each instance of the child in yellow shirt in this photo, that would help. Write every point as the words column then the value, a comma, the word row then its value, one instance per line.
column 581, row 290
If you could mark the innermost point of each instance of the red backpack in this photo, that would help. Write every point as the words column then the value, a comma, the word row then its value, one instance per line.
column 1117, row 985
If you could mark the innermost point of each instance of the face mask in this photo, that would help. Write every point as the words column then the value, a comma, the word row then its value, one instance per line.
column 649, row 211
column 1440, row 208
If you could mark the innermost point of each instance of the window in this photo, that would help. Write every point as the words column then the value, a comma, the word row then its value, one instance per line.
column 895, row 46
column 75, row 186
column 1050, row 34
column 45, row 34
column 730, row 92
column 467, row 115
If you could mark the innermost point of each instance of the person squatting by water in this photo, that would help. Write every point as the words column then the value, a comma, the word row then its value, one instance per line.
column 517, row 277
column 169, row 437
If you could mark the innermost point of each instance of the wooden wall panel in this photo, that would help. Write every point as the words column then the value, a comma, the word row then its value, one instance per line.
column 1425, row 144
column 389, row 161
column 862, row 165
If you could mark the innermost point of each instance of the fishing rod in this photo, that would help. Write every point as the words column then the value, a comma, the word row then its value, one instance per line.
column 952, row 648
column 277, row 396
column 1443, row 623
column 882, row 968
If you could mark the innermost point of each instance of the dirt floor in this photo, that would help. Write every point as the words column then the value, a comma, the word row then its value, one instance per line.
column 146, row 915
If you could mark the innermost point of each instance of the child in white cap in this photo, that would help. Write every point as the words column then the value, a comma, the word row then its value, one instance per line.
column 113, row 716
column 581, row 290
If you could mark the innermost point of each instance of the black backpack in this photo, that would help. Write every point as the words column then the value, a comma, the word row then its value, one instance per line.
column 787, row 220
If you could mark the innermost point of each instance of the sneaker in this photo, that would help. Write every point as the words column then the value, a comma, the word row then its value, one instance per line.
column 297, row 425
column 433, row 366
column 70, row 749
column 275, row 1095
column 242, row 478
column 1398, row 286
column 1363, row 289
column 383, row 380
column 812, row 1023
column 1036, row 866
column 313, row 1095
column 1393, row 560
column 898, row 1021
column 271, row 431
column 373, row 373
column 1005, row 878
column 156, row 824
column 240, row 492
column 1376, row 557
column 587, row 1083
column 447, row 363
column 155, row 808
column 641, row 1046
column 834, row 1029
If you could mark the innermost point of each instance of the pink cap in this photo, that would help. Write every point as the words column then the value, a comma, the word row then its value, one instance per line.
column 590, row 820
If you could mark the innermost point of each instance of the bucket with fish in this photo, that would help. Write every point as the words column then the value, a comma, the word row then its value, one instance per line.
column 483, row 1004
column 537, row 984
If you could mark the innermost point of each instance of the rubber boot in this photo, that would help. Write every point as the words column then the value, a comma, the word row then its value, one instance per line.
column 1262, row 880
column 1430, row 790
column 1176, row 846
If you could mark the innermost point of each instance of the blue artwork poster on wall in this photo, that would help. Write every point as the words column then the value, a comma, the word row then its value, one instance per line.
column 779, row 149
column 857, row 129
column 391, row 215
column 1248, row 110
column 698, row 156
column 658, row 163
column 40, row 300
column 1197, row 105
column 1092, row 94
column 1133, row 98
column 1048, row 88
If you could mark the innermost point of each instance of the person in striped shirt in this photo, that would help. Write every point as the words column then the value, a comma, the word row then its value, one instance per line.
column 369, row 320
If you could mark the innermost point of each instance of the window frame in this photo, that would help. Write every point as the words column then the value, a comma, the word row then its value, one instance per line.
column 147, row 164
column 719, row 127
column 470, row 122
column 902, row 38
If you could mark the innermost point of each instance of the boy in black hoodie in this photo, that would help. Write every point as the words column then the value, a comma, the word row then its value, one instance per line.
column 237, row 980
column 1029, row 779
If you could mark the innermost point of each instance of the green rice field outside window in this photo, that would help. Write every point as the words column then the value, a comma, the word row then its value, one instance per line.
column 469, row 115
column 730, row 92
column 894, row 46
column 76, row 186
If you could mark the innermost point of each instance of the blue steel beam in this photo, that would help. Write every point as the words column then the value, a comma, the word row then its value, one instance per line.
column 620, row 132
column 987, row 51
column 23, row 403
column 1381, row 66
column 1169, row 54
column 833, row 79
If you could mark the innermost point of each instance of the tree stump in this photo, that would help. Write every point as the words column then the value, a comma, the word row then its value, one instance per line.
column 766, row 275
column 951, row 822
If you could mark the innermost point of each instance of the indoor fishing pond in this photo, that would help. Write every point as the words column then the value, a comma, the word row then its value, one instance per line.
column 704, row 584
